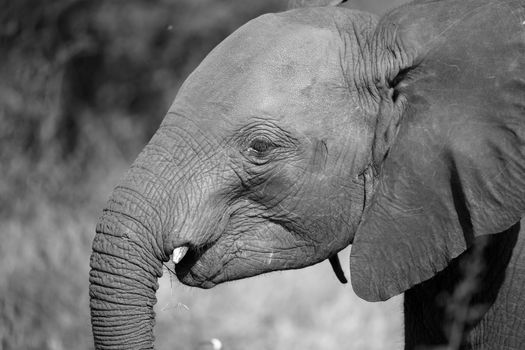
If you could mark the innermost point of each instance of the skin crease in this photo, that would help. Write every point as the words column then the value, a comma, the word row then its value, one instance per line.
column 273, row 147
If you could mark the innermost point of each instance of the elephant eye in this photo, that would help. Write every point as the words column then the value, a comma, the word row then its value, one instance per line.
column 261, row 146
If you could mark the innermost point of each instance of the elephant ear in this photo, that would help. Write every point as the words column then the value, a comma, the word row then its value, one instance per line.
column 292, row 4
column 456, row 168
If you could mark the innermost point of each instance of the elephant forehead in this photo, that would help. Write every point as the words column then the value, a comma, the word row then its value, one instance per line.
column 268, row 65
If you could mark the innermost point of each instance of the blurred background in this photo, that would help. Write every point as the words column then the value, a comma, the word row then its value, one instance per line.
column 83, row 86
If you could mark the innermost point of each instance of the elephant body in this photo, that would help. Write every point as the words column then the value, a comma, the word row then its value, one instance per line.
column 312, row 129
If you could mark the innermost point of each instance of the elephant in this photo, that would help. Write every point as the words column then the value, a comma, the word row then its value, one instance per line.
column 312, row 129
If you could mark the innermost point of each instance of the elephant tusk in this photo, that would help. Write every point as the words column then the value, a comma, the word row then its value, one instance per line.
column 336, row 266
column 179, row 253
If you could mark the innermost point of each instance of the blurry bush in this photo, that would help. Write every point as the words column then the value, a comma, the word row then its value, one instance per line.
column 83, row 85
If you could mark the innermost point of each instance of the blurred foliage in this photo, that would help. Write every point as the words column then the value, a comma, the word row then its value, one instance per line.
column 83, row 85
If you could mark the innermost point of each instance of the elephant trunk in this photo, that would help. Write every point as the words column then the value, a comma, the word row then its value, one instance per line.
column 123, row 282
column 129, row 249
column 139, row 229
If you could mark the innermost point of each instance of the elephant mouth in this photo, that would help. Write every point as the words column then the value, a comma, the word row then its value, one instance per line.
column 187, row 266
column 191, row 270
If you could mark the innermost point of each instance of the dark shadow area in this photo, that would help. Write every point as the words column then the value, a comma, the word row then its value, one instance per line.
column 457, row 298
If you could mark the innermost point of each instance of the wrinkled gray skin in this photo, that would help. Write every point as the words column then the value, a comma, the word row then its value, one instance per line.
column 312, row 129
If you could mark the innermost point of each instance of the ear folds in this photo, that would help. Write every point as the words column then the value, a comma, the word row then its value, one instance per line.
column 456, row 169
column 292, row 4
column 387, row 125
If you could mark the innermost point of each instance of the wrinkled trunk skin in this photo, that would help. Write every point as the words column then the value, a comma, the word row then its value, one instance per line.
column 462, row 312
column 131, row 244
column 123, row 281
column 125, row 264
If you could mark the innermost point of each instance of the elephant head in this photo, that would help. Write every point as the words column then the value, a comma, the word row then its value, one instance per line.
column 309, row 130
